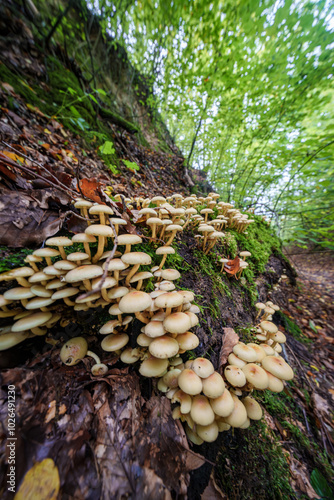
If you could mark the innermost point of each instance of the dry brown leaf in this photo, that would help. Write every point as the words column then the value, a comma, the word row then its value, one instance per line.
column 232, row 266
column 300, row 478
column 25, row 218
column 212, row 491
column 230, row 339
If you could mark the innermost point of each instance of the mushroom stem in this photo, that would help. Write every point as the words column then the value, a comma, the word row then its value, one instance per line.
column 49, row 261
column 163, row 261
column 39, row 331
column 68, row 302
column 8, row 340
column 87, row 250
column 23, row 282
column 104, row 294
column 100, row 249
column 131, row 273
column 62, row 253
column 128, row 248
column 142, row 318
column 87, row 285
column 139, row 285
column 94, row 356
column 171, row 238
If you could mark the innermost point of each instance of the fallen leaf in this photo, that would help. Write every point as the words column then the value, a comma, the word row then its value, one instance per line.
column 230, row 339
column 232, row 266
column 41, row 482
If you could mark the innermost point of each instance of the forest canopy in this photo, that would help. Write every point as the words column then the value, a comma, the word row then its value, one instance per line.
column 245, row 88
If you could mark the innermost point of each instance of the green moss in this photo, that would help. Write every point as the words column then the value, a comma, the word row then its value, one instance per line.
column 10, row 259
column 257, row 456
column 292, row 328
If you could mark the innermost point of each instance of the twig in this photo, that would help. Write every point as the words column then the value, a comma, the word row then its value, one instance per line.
column 60, row 185
column 105, row 272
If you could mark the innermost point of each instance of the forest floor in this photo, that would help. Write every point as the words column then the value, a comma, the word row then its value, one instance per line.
column 59, row 414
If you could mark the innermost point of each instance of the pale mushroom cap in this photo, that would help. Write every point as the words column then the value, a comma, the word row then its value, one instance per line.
column 177, row 323
column 83, row 273
column 279, row 337
column 234, row 360
column 52, row 271
column 38, row 302
column 268, row 350
column 65, row 292
column 32, row 321
column 135, row 301
column 275, row 384
column 73, row 351
column 170, row 274
column 109, row 282
column 99, row 230
column 187, row 341
column 203, row 367
column 64, row 265
column 193, row 318
column 143, row 340
column 245, row 253
column 164, row 347
column 153, row 220
column 74, row 256
column 59, row 241
column 117, row 292
column 278, row 367
column 154, row 329
column 100, row 209
column 201, row 411
column 153, row 367
column 83, row 238
column 166, row 286
column 208, row 433
column 19, row 293
column 268, row 326
column 223, row 405
column 253, row 409
column 170, row 378
column 109, row 326
column 193, row 437
column 129, row 239
column 115, row 265
column 134, row 258
column 260, row 305
column 235, row 376
column 256, row 376
column 213, row 386
column 54, row 284
column 113, row 342
column 21, row 272
column 173, row 227
column 244, row 352
column 165, row 250
column 46, row 252
column 143, row 275
column 129, row 356
column 40, row 291
column 171, row 299
column 260, row 353
column 239, row 415
column 189, row 382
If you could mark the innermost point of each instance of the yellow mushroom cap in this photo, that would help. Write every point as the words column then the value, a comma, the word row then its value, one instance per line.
column 256, row 376
column 244, row 352
column 253, row 409
column 113, row 342
column 213, row 386
column 177, row 323
column 238, row 417
column 189, row 382
column 223, row 405
column 153, row 367
column 203, row 367
column 235, row 376
column 135, row 301
column 201, row 411
column 164, row 347
column 278, row 367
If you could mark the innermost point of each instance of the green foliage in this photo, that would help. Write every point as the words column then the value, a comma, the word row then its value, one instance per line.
column 131, row 165
column 107, row 148
column 321, row 486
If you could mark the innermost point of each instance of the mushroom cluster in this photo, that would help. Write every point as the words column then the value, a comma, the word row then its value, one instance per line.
column 210, row 404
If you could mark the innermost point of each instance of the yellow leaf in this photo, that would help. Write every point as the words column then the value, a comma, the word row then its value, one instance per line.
column 41, row 482
column 13, row 156
column 314, row 367
column 47, row 131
